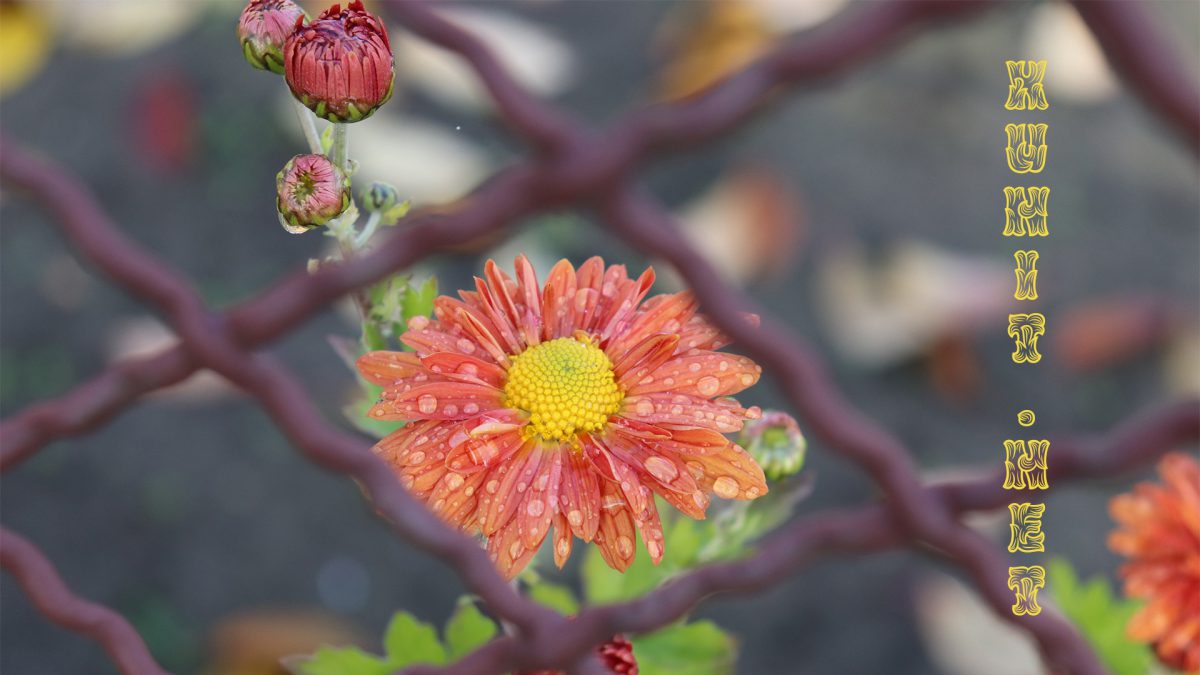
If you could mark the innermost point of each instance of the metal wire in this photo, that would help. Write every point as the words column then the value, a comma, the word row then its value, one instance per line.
column 578, row 167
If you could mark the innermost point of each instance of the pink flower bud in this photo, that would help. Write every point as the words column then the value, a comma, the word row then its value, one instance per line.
column 263, row 28
column 309, row 191
column 340, row 66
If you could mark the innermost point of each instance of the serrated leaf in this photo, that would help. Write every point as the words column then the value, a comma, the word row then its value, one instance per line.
column 698, row 648
column 467, row 629
column 1100, row 616
column 340, row 661
column 408, row 641
column 558, row 598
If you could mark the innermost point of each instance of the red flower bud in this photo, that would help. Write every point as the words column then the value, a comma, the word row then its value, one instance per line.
column 309, row 191
column 340, row 66
column 263, row 28
column 616, row 655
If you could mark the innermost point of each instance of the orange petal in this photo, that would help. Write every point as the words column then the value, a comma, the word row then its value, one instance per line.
column 473, row 454
column 529, row 293
column 616, row 535
column 579, row 496
column 414, row 444
column 386, row 368
column 665, row 409
column 663, row 468
column 484, row 337
column 652, row 534
column 644, row 358
column 730, row 474
column 702, row 374
column 438, row 401
column 505, row 487
column 508, row 552
column 541, row 499
column 464, row 367
column 634, row 494
column 558, row 298
column 621, row 308
column 699, row 333
column 428, row 341
column 562, row 540
column 665, row 314
column 456, row 497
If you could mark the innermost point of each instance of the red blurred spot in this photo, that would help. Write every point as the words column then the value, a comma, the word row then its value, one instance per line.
column 164, row 121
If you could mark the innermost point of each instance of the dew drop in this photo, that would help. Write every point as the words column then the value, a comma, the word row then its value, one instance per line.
column 725, row 487
column 515, row 550
column 708, row 385
column 465, row 346
column 574, row 517
column 644, row 407
column 450, row 410
column 625, row 546
column 492, row 486
column 563, row 547
column 427, row 404
column 470, row 408
column 654, row 548
column 535, row 508
column 416, row 458
column 662, row 469
column 418, row 323
column 454, row 481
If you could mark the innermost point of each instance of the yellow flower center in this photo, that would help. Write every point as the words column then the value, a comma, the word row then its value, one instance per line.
column 566, row 385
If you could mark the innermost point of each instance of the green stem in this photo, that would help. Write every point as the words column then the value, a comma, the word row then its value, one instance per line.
column 309, row 126
column 368, row 229
column 339, row 152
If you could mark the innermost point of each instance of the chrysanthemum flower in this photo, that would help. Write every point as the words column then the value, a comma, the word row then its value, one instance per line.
column 1159, row 530
column 570, row 405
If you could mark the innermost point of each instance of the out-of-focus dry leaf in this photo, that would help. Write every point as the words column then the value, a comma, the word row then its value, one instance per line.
column 123, row 27
column 1182, row 364
column 964, row 636
column 749, row 225
column 1076, row 70
column 427, row 163
column 789, row 15
column 25, row 42
column 253, row 643
column 705, row 41
column 880, row 312
column 1110, row 331
column 144, row 336
column 538, row 59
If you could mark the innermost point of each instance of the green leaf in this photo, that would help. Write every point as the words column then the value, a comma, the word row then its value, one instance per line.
column 340, row 661
column 558, row 598
column 1100, row 616
column 699, row 648
column 467, row 629
column 418, row 301
column 408, row 641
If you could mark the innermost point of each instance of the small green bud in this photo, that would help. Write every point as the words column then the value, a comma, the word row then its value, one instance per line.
column 379, row 197
column 776, row 443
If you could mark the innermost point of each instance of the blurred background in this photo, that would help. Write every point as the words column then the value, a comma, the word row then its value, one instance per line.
column 865, row 212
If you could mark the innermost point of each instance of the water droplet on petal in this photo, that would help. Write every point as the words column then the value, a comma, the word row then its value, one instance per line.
column 454, row 481
column 515, row 550
column 535, row 508
column 725, row 487
column 644, row 407
column 662, row 469
column 416, row 458
column 574, row 517
column 492, row 486
column 708, row 385
column 465, row 346
column 625, row 546
column 427, row 404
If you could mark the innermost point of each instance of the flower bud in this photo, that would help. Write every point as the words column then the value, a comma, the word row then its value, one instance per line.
column 309, row 191
column 379, row 197
column 340, row 66
column 264, row 27
column 616, row 656
column 775, row 442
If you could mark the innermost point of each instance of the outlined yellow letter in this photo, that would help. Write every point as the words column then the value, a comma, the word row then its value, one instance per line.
column 1025, row 528
column 1025, row 211
column 1026, row 271
column 1025, row 329
column 1025, row 582
column 1025, row 465
column 1025, row 91
column 1026, row 150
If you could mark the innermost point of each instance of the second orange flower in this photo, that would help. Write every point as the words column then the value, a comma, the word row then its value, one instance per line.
column 569, row 405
